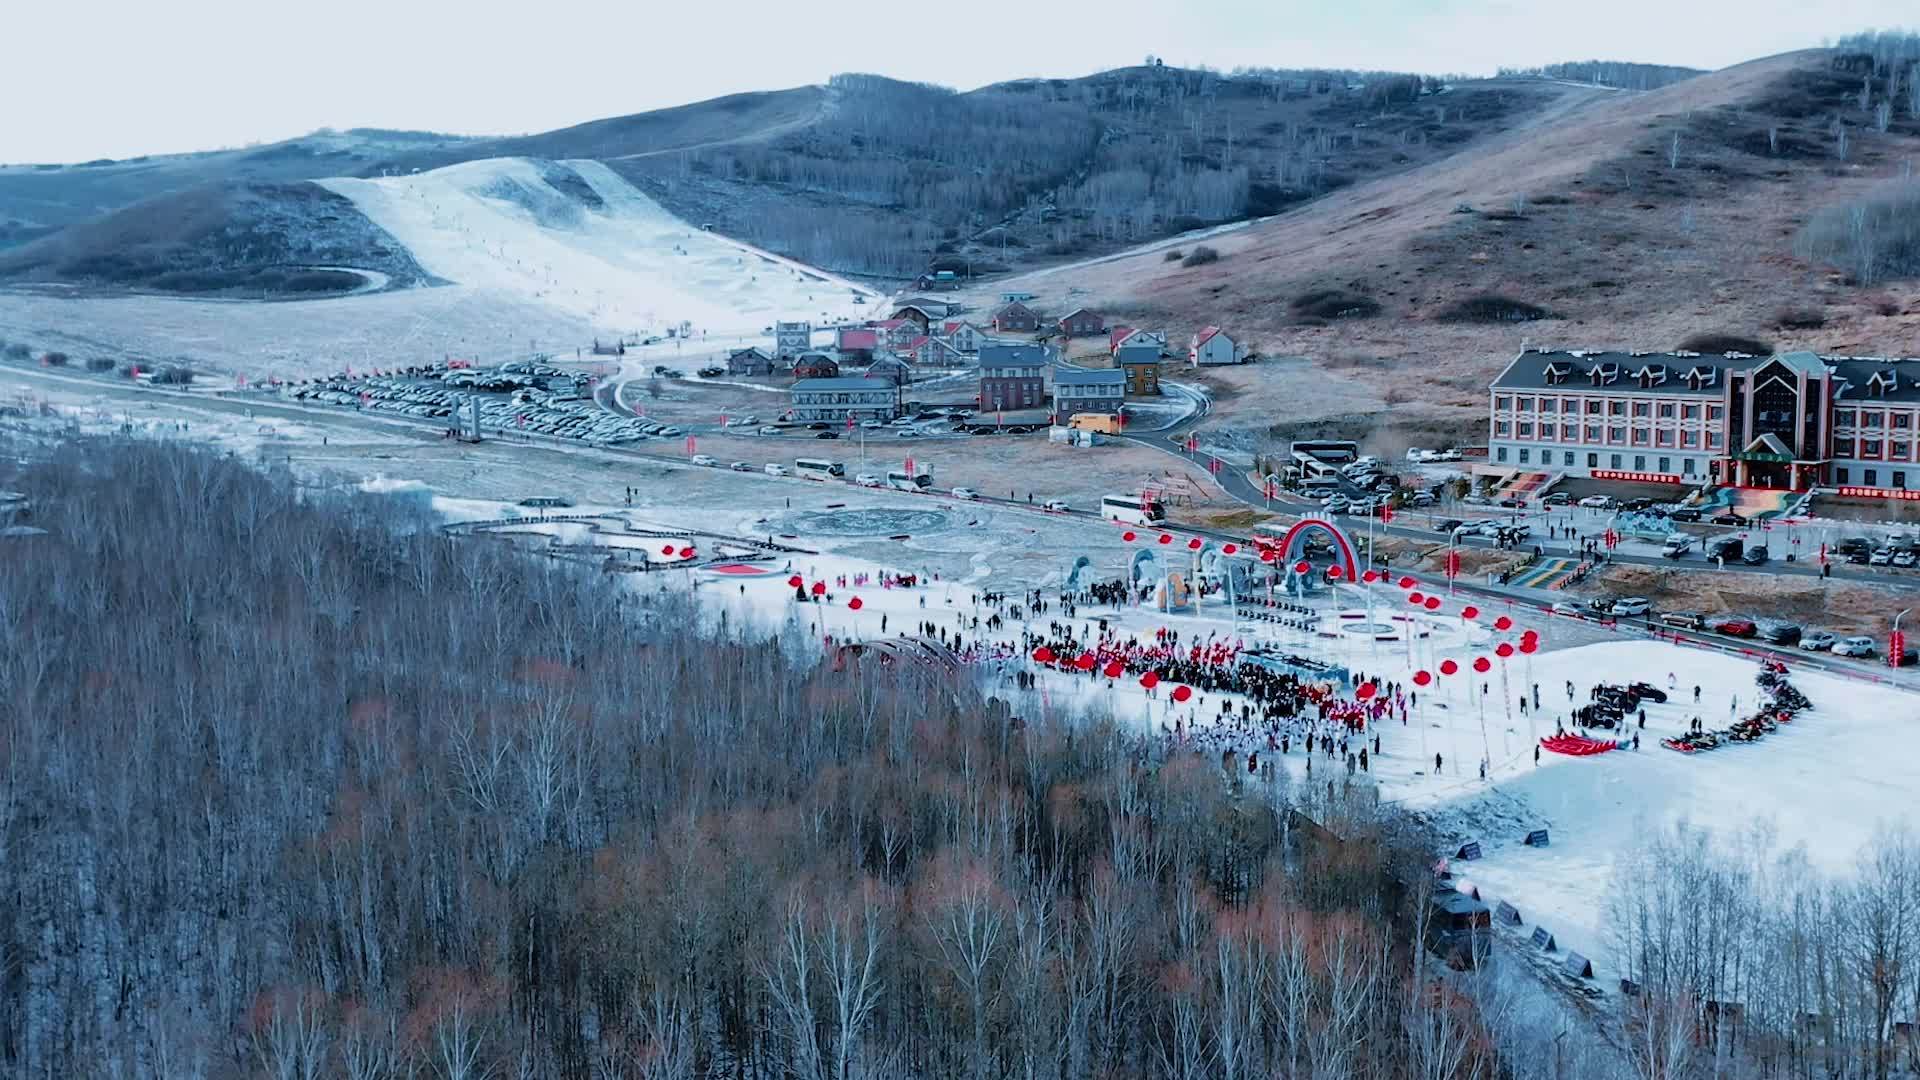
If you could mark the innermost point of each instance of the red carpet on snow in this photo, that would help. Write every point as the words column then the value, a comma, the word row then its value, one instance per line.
column 1578, row 745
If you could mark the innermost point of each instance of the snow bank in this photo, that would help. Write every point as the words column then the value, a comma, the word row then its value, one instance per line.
column 577, row 238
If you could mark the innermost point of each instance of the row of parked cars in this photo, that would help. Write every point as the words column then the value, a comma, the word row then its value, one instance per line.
column 530, row 407
column 1744, row 627
column 1902, row 551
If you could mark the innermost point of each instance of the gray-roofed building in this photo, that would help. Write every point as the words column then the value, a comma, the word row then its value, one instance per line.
column 836, row 399
column 1791, row 421
column 1080, row 390
column 1013, row 376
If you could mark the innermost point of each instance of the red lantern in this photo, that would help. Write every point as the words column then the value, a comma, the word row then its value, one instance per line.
column 1150, row 680
column 1333, row 573
column 795, row 581
column 1182, row 692
column 1128, row 536
column 1043, row 655
column 1194, row 544
column 1165, row 539
column 1363, row 691
column 1229, row 548
column 686, row 553
column 1266, row 556
column 1433, row 603
column 1469, row 612
column 1503, row 651
column 1085, row 662
column 1482, row 664
column 1370, row 577
column 1531, row 635
column 1422, row 678
column 667, row 550
column 1529, row 647
column 819, row 588
column 1503, row 623
column 1416, row 599
column 1448, row 667
column 1407, row 583
column 855, row 604
column 1302, row 566
column 1114, row 669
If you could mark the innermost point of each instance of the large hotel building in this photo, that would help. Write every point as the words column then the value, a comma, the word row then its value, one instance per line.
column 1793, row 420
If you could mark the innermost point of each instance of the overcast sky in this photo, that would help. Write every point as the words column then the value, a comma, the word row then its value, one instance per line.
column 86, row 78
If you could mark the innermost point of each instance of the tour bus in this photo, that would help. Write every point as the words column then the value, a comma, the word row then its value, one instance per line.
column 1132, row 509
column 819, row 468
column 901, row 480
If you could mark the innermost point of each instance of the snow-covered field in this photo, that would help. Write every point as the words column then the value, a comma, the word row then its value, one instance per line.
column 625, row 265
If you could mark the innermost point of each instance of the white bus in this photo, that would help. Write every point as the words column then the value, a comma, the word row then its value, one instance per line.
column 901, row 480
column 819, row 468
column 1132, row 509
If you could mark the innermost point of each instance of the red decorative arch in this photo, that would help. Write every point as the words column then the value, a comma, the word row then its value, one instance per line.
column 1341, row 545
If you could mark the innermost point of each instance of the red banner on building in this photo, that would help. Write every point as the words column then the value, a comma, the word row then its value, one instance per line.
column 1636, row 477
column 1880, row 493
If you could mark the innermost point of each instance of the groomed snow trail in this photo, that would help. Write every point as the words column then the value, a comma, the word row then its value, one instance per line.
column 614, row 257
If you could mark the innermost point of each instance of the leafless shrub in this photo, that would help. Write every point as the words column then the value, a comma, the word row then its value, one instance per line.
column 1201, row 256
column 1874, row 239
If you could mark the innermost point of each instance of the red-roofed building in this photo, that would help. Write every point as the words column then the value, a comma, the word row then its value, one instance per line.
column 897, row 333
column 1016, row 316
column 1123, row 336
column 963, row 336
column 857, row 341
column 1212, row 347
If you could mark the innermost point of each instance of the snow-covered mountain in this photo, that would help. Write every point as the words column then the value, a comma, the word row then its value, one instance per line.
column 576, row 237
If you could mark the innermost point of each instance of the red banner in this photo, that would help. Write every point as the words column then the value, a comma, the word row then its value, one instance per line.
column 1880, row 493
column 1636, row 477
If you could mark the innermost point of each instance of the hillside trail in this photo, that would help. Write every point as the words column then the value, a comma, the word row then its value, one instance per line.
column 829, row 104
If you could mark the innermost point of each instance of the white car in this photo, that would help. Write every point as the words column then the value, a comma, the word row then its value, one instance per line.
column 769, row 430
column 1057, row 506
column 1597, row 502
column 900, row 421
column 1567, row 607
column 704, row 459
column 741, row 466
column 867, row 479
column 1854, row 646
column 966, row 493
column 776, row 469
column 872, row 425
column 907, row 433
column 1632, row 605
column 1818, row 640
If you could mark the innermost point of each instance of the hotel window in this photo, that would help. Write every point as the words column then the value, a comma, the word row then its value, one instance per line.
column 1639, row 436
column 1839, row 476
column 1899, row 478
column 1549, row 405
column 1690, row 440
column 1900, row 450
column 1523, row 455
column 1686, row 466
column 1641, row 408
column 1617, row 435
column 1593, row 406
column 1567, row 459
column 1613, row 461
column 1639, row 463
column 1663, row 437
column 1616, row 408
column 1524, row 404
column 1526, row 429
column 1870, row 448
column 1690, row 412
column 1843, row 448
column 1715, row 412
column 1569, row 405
column 1872, row 419
column 1666, row 465
column 1666, row 410
column 1902, row 420
column 1569, row 432
column 1714, row 439
column 1870, row 477
column 1843, row 418
column 1500, row 454
column 1593, row 433
column 1501, row 427
column 1593, row 461
column 1503, row 403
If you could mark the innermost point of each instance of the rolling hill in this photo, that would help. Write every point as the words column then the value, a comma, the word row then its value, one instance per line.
column 1618, row 220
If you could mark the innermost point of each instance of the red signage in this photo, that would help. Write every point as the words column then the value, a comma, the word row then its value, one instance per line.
column 1880, row 493
column 1636, row 477
column 1896, row 647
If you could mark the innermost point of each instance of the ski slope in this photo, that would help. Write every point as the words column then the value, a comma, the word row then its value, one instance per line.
column 575, row 237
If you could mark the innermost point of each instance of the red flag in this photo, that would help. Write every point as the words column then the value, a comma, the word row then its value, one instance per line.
column 1386, row 515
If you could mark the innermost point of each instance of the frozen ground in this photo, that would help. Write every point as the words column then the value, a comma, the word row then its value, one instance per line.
column 575, row 237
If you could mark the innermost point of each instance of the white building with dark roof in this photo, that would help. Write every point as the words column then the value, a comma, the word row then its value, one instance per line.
column 1789, row 421
column 845, row 397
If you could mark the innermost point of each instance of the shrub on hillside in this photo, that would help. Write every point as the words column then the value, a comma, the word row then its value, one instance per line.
column 1725, row 343
column 17, row 351
column 1174, row 255
column 1874, row 239
column 1201, row 256
column 99, row 363
column 1333, row 304
column 1800, row 318
column 1493, row 308
column 54, row 359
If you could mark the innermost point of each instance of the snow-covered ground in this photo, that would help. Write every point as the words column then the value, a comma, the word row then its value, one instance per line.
column 501, row 225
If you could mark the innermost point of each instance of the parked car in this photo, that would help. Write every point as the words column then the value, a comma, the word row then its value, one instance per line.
column 827, row 435
column 1684, row 513
column 867, row 479
column 1905, row 558
column 704, row 459
column 1057, row 506
column 872, row 425
column 1860, row 645
column 1729, row 518
column 1557, row 498
column 1881, row 557
column 1632, row 605
column 741, row 466
column 1684, row 620
column 769, row 429
column 1567, row 607
column 906, row 433
column 1732, row 625
column 1514, row 504
column 776, row 469
column 819, row 425
column 1447, row 525
column 965, row 493
column 1648, row 692
column 1597, row 502
column 1779, row 632
column 1819, row 640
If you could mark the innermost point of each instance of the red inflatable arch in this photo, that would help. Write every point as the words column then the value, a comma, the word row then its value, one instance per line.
column 1341, row 545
